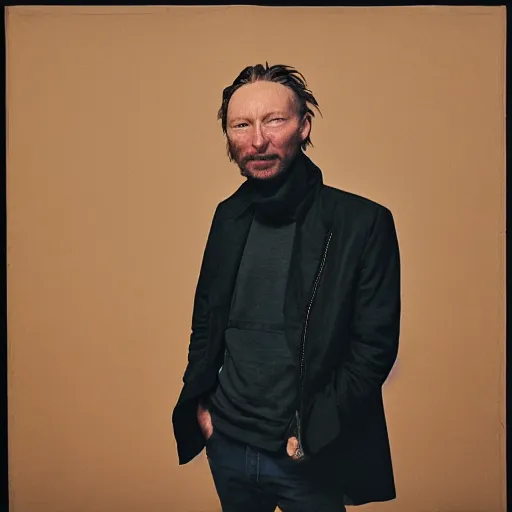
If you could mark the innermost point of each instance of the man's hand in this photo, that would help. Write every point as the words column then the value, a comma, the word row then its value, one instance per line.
column 205, row 422
column 291, row 447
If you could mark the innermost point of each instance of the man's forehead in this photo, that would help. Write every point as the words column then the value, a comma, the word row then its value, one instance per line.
column 260, row 96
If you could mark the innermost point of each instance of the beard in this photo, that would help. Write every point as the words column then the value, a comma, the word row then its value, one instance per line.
column 283, row 163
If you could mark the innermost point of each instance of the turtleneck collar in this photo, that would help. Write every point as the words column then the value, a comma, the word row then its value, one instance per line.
column 276, row 201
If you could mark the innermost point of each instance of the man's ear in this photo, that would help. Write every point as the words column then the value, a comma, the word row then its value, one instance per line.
column 305, row 126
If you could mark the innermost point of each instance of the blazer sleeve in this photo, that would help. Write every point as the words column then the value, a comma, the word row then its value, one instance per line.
column 373, row 343
column 198, row 342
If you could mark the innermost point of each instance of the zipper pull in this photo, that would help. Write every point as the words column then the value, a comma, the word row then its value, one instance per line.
column 299, row 450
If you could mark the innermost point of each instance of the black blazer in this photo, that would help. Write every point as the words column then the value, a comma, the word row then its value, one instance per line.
column 342, row 318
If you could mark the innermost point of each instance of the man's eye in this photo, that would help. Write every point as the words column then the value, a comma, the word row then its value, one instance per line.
column 240, row 125
column 277, row 119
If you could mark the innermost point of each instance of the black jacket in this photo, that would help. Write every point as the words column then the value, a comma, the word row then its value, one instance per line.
column 342, row 318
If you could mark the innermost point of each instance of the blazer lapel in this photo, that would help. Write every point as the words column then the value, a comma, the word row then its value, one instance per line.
column 309, row 244
column 230, row 246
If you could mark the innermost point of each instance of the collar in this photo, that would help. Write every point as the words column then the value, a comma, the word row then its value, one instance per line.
column 286, row 201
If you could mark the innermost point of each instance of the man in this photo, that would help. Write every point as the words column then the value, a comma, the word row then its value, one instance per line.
column 295, row 323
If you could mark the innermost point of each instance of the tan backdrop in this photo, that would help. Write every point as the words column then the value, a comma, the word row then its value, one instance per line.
column 115, row 165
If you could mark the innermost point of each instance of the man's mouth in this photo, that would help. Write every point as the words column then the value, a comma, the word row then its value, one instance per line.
column 262, row 159
column 262, row 163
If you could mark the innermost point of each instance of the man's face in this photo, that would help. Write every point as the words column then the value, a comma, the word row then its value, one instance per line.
column 264, row 130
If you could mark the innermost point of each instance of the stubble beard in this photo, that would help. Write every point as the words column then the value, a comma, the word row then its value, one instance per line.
column 283, row 164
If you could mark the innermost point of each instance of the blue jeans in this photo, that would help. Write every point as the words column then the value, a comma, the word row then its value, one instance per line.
column 250, row 480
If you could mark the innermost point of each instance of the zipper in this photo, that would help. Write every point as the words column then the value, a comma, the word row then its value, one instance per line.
column 299, row 452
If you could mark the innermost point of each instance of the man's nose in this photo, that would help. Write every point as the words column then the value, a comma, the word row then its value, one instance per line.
column 259, row 141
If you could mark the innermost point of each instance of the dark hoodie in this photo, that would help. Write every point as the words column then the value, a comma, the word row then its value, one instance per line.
column 255, row 399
